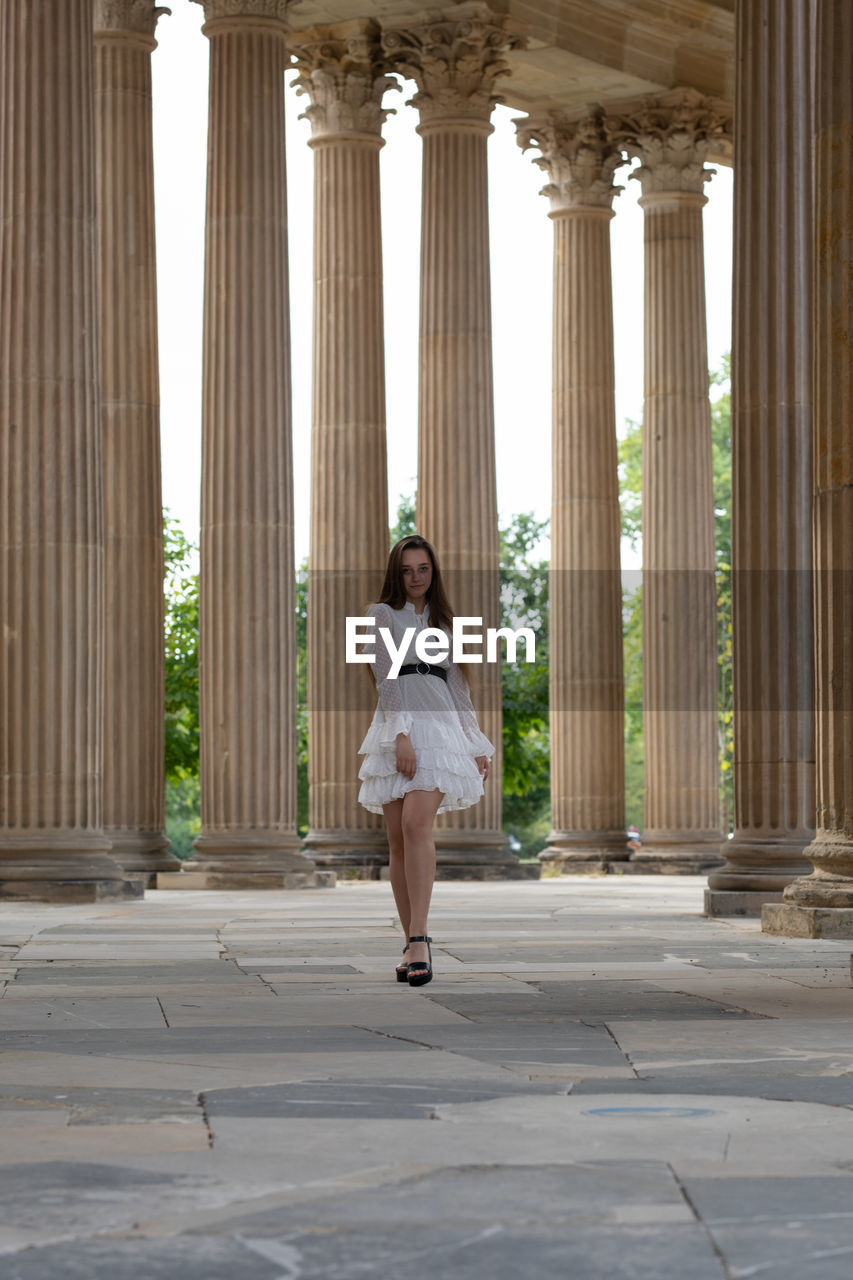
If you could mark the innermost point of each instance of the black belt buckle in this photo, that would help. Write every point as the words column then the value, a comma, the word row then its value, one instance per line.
column 426, row 669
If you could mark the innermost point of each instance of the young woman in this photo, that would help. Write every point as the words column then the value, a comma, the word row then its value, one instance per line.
column 424, row 753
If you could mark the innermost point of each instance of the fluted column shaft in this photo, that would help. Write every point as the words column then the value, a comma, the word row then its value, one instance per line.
column 585, row 597
column 682, row 810
column 341, row 70
column 455, row 64
column 772, row 642
column 822, row 904
column 134, row 715
column 585, row 609
column 679, row 598
column 51, row 517
column 457, row 485
column 247, row 624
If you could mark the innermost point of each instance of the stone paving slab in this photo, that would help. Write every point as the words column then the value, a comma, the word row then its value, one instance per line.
column 39, row 1144
column 549, row 1002
column 598, row 1083
column 231, row 991
column 388, row 1099
column 782, row 1227
column 834, row 1091
column 300, row 1010
column 790, row 1047
column 98, row 974
column 139, row 1011
column 101, row 1106
column 627, row 1253
column 209, row 1040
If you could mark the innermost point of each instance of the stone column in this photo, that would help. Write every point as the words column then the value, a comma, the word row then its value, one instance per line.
column 671, row 134
column 772, row 639
column 455, row 61
column 821, row 905
column 342, row 72
column 247, row 669
column 585, row 630
column 52, row 842
column 134, row 715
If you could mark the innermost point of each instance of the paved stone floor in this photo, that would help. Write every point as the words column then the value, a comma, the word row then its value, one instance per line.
column 598, row 1083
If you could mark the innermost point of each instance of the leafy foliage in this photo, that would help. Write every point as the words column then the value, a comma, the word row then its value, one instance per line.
column 302, row 698
column 406, row 519
column 183, row 815
column 183, row 823
column 630, row 476
column 721, row 435
column 181, row 644
column 524, row 686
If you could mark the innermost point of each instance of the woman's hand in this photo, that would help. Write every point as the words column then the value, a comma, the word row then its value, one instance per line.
column 484, row 764
column 406, row 762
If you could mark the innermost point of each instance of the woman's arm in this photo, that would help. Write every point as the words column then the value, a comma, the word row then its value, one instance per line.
column 458, row 686
column 397, row 719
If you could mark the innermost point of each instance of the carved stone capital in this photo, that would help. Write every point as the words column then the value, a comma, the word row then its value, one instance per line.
column 342, row 70
column 579, row 157
column 133, row 17
column 671, row 134
column 455, row 61
column 271, row 10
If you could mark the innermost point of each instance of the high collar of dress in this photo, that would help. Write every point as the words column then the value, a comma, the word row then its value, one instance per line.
column 409, row 605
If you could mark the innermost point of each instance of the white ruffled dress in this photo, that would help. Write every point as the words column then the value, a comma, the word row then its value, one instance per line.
column 438, row 716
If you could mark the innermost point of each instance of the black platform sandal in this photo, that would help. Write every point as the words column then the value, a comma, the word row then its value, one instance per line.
column 420, row 972
column 402, row 970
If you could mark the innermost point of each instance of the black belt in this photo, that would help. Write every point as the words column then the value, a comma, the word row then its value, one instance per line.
column 423, row 669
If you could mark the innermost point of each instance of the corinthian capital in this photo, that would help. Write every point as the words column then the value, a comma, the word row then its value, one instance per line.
column 671, row 134
column 342, row 70
column 136, row 17
column 455, row 60
column 579, row 157
column 273, row 10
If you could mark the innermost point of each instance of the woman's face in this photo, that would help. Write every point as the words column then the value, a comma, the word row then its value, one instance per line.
column 417, row 574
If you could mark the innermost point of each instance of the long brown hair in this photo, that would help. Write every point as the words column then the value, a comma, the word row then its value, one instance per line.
column 393, row 591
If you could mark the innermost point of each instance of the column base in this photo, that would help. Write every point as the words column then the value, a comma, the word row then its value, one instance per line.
column 761, row 866
column 76, row 868
column 579, row 852
column 789, row 920
column 232, row 880
column 483, row 855
column 72, row 892
column 246, row 860
column 739, row 902
column 686, row 853
column 142, row 853
column 353, row 855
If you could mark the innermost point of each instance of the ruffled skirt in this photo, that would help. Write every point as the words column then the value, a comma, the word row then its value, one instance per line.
column 444, row 761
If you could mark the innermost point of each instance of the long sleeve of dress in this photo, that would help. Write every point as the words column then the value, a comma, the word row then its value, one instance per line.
column 458, row 686
column 397, row 719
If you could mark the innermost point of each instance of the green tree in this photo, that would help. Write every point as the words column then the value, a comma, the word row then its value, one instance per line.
column 302, row 698
column 406, row 512
column 183, row 822
column 630, row 480
column 526, row 808
column 721, row 436
column 181, row 646
column 631, row 505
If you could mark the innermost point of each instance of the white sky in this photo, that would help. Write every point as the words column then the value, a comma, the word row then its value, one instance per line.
column 521, row 243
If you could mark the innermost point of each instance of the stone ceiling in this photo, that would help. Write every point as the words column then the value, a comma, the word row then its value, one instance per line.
column 581, row 51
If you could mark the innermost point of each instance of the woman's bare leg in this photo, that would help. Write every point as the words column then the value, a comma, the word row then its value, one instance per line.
column 419, row 810
column 397, row 867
